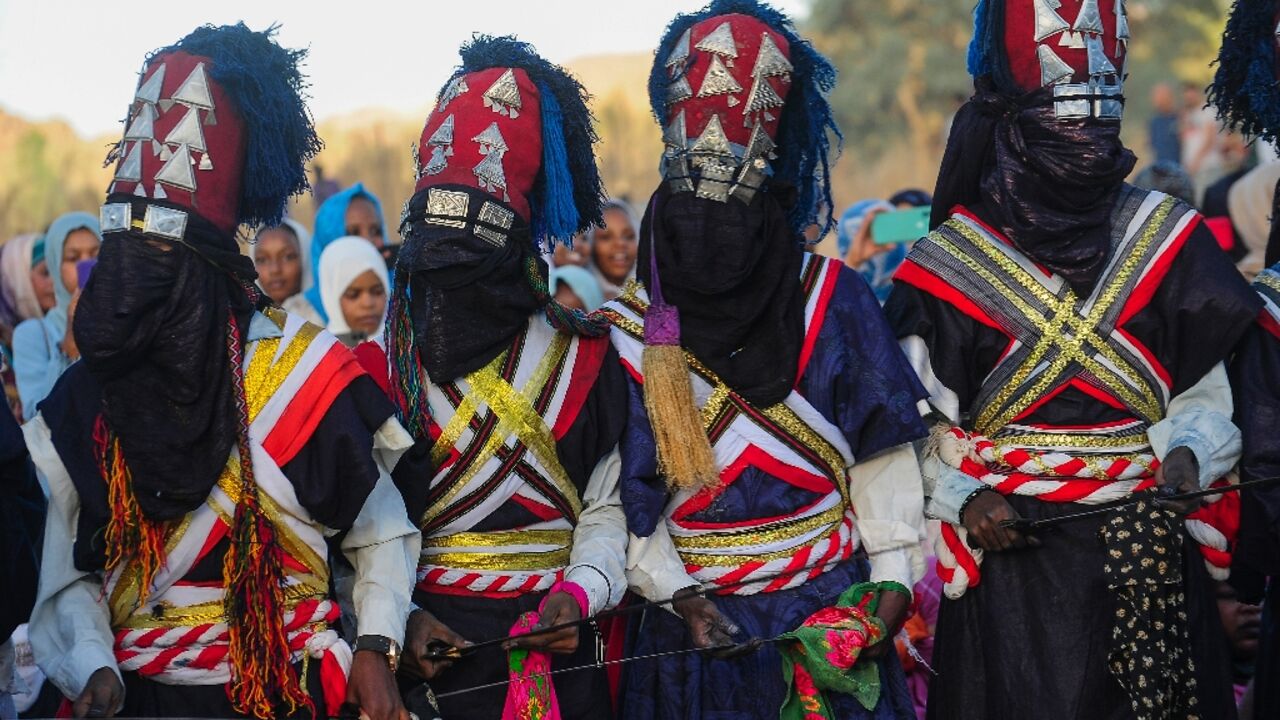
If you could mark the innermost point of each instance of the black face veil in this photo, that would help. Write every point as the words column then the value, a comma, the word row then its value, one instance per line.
column 152, row 328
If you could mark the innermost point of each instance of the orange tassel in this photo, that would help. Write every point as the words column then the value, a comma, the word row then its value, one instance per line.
column 130, row 536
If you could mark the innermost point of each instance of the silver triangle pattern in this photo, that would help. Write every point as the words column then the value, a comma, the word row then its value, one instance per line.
column 491, row 140
column 1090, row 18
column 443, row 134
column 194, row 91
column 140, row 191
column 159, row 194
column 720, row 41
column 770, row 62
column 718, row 80
column 178, row 171
column 503, row 96
column 712, row 141
column 1122, row 21
column 149, row 91
column 1048, row 21
column 456, row 87
column 206, row 162
column 131, row 169
column 674, row 135
column 679, row 53
column 1099, row 64
column 142, row 127
column 1053, row 69
column 679, row 90
column 490, row 173
column 762, row 96
column 188, row 131
column 1072, row 40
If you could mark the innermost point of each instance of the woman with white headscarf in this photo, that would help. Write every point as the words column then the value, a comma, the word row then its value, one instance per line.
column 353, row 288
column 40, row 350
column 281, row 255
column 18, row 299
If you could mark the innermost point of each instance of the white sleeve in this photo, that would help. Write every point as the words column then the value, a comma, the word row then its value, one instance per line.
column 654, row 568
column 383, row 546
column 1199, row 419
column 889, row 501
column 941, row 398
column 70, row 628
column 597, row 562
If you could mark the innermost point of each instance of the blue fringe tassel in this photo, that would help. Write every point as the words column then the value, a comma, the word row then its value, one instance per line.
column 979, row 61
column 264, row 82
column 807, row 126
column 560, row 218
column 1244, row 89
column 569, row 176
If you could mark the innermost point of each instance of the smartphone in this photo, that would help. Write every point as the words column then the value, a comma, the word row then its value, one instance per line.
column 900, row 226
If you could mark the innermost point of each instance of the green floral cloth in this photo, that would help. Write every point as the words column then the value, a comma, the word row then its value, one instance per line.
column 821, row 655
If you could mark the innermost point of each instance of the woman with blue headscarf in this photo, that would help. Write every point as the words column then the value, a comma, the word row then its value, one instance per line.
column 354, row 211
column 39, row 355
column 876, row 263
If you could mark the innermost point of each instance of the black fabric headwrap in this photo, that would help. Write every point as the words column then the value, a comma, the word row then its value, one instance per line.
column 469, row 297
column 1048, row 185
column 733, row 270
column 151, row 327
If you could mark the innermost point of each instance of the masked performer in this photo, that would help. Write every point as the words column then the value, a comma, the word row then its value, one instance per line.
column 210, row 453
column 1246, row 93
column 767, row 465
column 519, row 401
column 1071, row 331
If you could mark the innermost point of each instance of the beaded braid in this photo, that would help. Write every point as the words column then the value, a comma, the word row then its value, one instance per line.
column 561, row 318
column 252, row 571
column 407, row 388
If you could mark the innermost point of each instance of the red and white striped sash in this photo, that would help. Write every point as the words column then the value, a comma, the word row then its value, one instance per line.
column 790, row 441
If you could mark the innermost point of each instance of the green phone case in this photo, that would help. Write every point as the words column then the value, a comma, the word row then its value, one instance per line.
column 900, row 226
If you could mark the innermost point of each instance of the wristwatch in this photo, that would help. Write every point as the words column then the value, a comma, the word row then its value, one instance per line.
column 382, row 645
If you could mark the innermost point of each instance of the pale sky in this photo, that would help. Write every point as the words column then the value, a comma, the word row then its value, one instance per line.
column 78, row 59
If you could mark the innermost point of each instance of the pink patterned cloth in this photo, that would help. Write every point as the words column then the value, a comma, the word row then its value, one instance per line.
column 531, row 695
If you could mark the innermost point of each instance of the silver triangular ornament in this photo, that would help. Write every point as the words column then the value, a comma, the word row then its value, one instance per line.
column 1048, row 21
column 1090, row 18
column 490, row 172
column 159, row 194
column 491, row 139
column 679, row 90
column 762, row 96
column 503, row 96
column 178, row 171
column 437, row 163
column 712, row 141
column 139, row 190
column 673, row 136
column 149, row 91
column 760, row 145
column 1053, row 69
column 1122, row 21
column 206, row 163
column 143, row 125
column 165, row 153
column 157, row 148
column 443, row 134
column 194, row 91
column 718, row 80
column 1099, row 63
column 131, row 169
column 720, row 41
column 188, row 131
column 770, row 62
column 1071, row 40
column 210, row 118
column 456, row 87
column 680, row 52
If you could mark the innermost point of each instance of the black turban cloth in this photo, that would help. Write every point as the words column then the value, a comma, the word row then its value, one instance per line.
column 733, row 271
column 1048, row 185
column 151, row 327
column 469, row 297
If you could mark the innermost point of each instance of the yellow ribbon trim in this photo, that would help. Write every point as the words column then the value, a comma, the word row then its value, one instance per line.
column 779, row 531
column 1062, row 328
column 266, row 373
column 516, row 415
column 504, row 562
column 501, row 538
